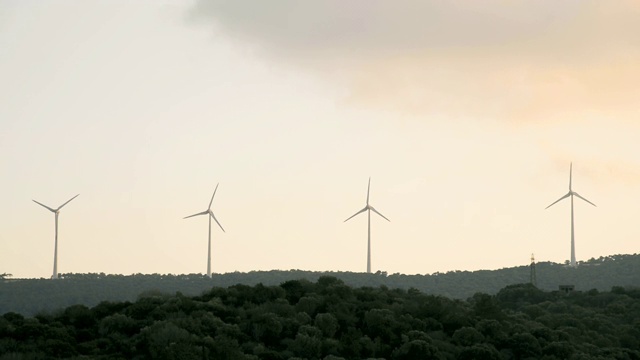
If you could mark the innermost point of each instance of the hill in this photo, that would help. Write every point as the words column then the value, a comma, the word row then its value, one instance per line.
column 31, row 296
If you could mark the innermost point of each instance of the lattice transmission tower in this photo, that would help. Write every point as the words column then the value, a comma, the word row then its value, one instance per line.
column 532, row 275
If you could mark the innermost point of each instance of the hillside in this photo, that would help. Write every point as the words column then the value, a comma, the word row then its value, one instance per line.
column 30, row 296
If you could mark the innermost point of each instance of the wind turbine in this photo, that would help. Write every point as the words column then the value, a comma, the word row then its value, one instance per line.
column 55, row 251
column 571, row 194
column 368, row 208
column 210, row 213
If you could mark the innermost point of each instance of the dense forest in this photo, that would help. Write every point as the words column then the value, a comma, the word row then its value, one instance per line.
column 329, row 320
column 31, row 296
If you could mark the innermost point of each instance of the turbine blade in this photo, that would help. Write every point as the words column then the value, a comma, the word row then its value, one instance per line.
column 566, row 196
column 214, row 194
column 200, row 213
column 368, row 188
column 68, row 201
column 576, row 194
column 361, row 211
column 217, row 222
column 570, row 172
column 50, row 209
column 376, row 211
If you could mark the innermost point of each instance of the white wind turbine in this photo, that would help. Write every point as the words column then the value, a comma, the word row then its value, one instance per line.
column 55, row 251
column 210, row 213
column 368, row 208
column 571, row 194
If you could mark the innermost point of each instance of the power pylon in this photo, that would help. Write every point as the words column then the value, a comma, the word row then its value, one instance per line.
column 532, row 276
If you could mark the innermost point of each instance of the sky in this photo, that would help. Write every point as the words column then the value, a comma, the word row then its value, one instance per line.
column 466, row 117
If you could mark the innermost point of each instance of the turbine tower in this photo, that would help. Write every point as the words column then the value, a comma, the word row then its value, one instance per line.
column 210, row 213
column 571, row 194
column 55, row 251
column 368, row 208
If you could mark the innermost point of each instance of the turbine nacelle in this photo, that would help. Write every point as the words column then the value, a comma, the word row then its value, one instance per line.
column 367, row 206
column 570, row 193
column 206, row 212
column 56, row 211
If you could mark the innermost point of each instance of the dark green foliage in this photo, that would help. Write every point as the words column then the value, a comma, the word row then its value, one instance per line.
column 416, row 349
column 330, row 320
column 480, row 352
column 467, row 336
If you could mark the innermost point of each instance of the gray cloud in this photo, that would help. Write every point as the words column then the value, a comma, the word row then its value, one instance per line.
column 515, row 60
column 379, row 26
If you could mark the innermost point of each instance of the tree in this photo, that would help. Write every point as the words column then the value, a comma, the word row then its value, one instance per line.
column 479, row 352
column 467, row 336
column 327, row 323
column 381, row 323
column 525, row 345
column 416, row 349
column 307, row 343
column 559, row 349
column 486, row 306
column 267, row 327
column 164, row 340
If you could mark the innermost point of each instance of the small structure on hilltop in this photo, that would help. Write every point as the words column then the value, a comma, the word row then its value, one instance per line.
column 566, row 288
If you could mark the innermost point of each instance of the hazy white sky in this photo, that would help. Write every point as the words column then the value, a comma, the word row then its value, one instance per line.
column 465, row 116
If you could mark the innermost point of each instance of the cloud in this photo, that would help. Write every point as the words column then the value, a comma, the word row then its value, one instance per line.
column 601, row 152
column 519, row 61
column 379, row 27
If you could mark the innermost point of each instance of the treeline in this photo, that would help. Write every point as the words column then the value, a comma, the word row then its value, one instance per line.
column 31, row 296
column 329, row 320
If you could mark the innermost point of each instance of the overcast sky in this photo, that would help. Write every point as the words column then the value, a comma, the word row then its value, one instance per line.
column 466, row 116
